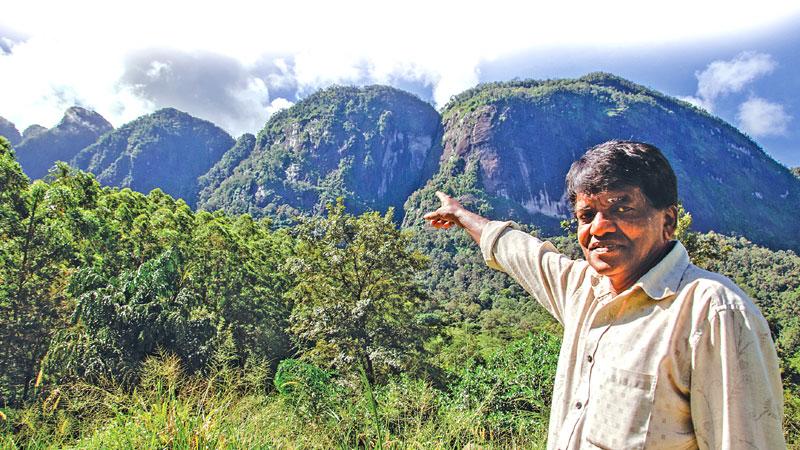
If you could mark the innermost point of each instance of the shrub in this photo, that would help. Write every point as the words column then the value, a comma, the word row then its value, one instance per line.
column 306, row 387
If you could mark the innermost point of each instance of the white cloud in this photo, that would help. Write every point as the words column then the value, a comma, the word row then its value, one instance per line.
column 759, row 117
column 725, row 77
column 157, row 69
column 277, row 105
column 68, row 56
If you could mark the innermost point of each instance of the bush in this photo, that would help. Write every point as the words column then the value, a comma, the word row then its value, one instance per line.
column 513, row 387
column 306, row 387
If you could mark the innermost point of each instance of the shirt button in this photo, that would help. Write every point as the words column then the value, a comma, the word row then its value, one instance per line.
column 589, row 358
column 579, row 405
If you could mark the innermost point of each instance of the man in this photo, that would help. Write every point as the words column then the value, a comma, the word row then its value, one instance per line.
column 657, row 353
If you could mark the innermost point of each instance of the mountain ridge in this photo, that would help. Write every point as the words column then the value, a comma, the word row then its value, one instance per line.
column 168, row 149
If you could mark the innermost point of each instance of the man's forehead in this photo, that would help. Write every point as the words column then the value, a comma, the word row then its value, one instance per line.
column 609, row 196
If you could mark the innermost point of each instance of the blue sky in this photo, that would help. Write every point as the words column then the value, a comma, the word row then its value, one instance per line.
column 236, row 66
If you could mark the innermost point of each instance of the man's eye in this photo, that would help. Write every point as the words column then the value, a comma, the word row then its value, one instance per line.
column 585, row 217
column 622, row 209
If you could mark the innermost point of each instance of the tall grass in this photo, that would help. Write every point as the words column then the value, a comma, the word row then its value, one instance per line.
column 233, row 408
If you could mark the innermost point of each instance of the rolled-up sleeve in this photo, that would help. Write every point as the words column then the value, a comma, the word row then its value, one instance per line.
column 736, row 393
column 537, row 266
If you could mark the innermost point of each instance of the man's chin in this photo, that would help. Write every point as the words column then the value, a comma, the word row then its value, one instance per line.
column 603, row 263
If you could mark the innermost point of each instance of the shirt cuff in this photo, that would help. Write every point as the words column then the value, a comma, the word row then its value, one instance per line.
column 491, row 232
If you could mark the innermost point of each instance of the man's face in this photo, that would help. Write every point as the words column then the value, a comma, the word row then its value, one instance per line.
column 622, row 236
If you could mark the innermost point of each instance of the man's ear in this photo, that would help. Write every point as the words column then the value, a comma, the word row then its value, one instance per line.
column 670, row 221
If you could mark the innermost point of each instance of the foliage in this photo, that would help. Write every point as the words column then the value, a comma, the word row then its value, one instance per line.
column 201, row 276
column 514, row 385
column 157, row 326
column 40, row 230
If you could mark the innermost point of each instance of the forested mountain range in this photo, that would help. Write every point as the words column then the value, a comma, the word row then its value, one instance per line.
column 504, row 147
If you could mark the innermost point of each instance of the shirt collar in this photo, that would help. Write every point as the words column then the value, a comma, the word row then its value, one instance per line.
column 659, row 282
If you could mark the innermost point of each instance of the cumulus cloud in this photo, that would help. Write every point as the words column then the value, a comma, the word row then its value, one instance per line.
column 697, row 101
column 725, row 77
column 759, row 117
column 211, row 86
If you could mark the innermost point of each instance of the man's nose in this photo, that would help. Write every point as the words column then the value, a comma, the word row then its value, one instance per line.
column 601, row 224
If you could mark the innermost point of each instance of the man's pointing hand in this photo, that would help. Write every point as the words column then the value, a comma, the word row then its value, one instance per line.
column 446, row 216
column 452, row 213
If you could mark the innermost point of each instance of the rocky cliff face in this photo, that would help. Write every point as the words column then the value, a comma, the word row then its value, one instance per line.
column 40, row 149
column 373, row 145
column 509, row 145
column 168, row 149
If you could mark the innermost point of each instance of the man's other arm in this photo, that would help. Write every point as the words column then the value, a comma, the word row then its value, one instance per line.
column 736, row 394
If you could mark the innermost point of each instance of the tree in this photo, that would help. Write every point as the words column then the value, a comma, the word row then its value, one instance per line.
column 355, row 299
column 160, row 277
column 41, row 226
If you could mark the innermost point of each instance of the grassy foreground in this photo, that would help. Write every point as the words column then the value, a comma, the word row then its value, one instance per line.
column 228, row 409
column 494, row 404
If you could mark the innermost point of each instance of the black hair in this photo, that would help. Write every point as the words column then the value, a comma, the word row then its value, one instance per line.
column 619, row 164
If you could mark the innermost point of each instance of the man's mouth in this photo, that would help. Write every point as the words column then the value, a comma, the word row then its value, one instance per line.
column 602, row 247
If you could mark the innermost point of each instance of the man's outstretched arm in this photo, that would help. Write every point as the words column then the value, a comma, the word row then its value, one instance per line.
column 452, row 213
column 535, row 265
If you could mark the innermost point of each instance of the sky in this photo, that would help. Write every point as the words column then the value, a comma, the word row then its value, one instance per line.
column 237, row 65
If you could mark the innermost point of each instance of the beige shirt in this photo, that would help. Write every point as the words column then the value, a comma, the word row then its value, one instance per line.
column 682, row 359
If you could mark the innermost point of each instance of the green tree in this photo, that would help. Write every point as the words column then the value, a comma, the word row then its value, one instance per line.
column 355, row 297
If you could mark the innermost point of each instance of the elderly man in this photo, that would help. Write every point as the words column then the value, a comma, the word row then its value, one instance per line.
column 657, row 353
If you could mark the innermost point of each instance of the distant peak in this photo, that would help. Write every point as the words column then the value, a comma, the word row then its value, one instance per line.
column 33, row 130
column 10, row 131
column 77, row 116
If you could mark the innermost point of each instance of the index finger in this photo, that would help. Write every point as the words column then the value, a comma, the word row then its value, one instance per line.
column 442, row 196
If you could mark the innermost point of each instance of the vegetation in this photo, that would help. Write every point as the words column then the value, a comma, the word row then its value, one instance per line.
column 131, row 321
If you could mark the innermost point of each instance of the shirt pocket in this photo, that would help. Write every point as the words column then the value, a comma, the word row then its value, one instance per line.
column 618, row 415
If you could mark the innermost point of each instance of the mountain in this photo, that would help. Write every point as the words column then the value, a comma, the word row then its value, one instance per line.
column 39, row 150
column 508, row 146
column 10, row 131
column 167, row 149
column 374, row 145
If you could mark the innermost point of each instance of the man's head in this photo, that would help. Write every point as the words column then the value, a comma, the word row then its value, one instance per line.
column 625, row 197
